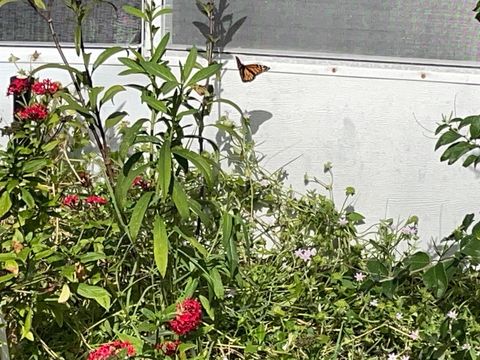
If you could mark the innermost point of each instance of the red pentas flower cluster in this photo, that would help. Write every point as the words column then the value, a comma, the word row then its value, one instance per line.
column 18, row 86
column 96, row 200
column 46, row 86
column 71, row 200
column 169, row 348
column 189, row 315
column 140, row 182
column 110, row 350
column 33, row 112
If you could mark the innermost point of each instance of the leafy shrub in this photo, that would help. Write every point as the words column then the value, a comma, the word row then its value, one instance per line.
column 161, row 253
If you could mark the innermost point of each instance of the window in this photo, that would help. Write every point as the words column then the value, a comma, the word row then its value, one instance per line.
column 422, row 29
column 105, row 25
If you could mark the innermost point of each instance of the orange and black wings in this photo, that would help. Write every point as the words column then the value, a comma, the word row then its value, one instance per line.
column 250, row 71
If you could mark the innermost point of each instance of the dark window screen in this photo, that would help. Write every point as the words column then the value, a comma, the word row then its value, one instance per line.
column 104, row 25
column 428, row 29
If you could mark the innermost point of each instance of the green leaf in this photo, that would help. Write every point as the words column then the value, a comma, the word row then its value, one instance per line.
column 40, row 4
column 50, row 146
column 218, row 288
column 5, row 203
column 28, row 198
column 159, row 70
column 64, row 294
column 229, row 241
column 194, row 242
column 160, row 245
column 470, row 160
column 376, row 267
column 154, row 103
column 104, row 55
column 32, row 166
column 4, row 2
column 58, row 66
column 161, row 47
column 189, row 63
column 207, row 307
column 475, row 127
column 93, row 93
column 114, row 118
column 134, row 11
column 197, row 209
column 161, row 11
column 435, row 278
column 26, row 334
column 455, row 151
column 100, row 295
column 138, row 214
column 111, row 92
column 472, row 249
column 180, row 200
column 418, row 261
column 447, row 138
column 204, row 73
column 199, row 161
column 133, row 65
column 164, row 168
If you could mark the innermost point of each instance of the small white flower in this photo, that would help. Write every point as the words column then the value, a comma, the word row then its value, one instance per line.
column 414, row 335
column 343, row 221
column 466, row 346
column 359, row 276
column 475, row 267
column 246, row 115
column 374, row 302
column 405, row 357
column 392, row 356
column 399, row 316
column 452, row 314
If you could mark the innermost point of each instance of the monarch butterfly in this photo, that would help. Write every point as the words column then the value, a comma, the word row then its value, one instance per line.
column 250, row 71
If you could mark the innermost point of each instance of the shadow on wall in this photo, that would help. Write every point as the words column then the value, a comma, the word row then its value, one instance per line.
column 224, row 27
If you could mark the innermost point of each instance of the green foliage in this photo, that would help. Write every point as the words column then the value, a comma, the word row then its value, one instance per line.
column 92, row 256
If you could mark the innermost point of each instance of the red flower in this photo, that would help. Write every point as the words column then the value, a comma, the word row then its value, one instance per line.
column 33, row 112
column 140, row 182
column 18, row 86
column 189, row 315
column 113, row 348
column 95, row 199
column 169, row 348
column 71, row 200
column 46, row 86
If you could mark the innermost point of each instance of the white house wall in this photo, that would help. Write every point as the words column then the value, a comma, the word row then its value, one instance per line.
column 372, row 121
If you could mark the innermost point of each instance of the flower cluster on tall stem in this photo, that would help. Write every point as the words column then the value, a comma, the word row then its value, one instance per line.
column 110, row 350
column 188, row 317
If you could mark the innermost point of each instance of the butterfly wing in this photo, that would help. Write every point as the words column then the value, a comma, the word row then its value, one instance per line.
column 249, row 72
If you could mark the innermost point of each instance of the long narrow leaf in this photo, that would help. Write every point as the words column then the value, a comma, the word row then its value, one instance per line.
column 160, row 245
column 138, row 214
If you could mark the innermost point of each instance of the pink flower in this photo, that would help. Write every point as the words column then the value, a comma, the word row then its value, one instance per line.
column 106, row 351
column 306, row 254
column 359, row 276
column 169, row 348
column 95, row 199
column 189, row 315
column 71, row 200
column 18, row 86
column 46, row 86
column 33, row 112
